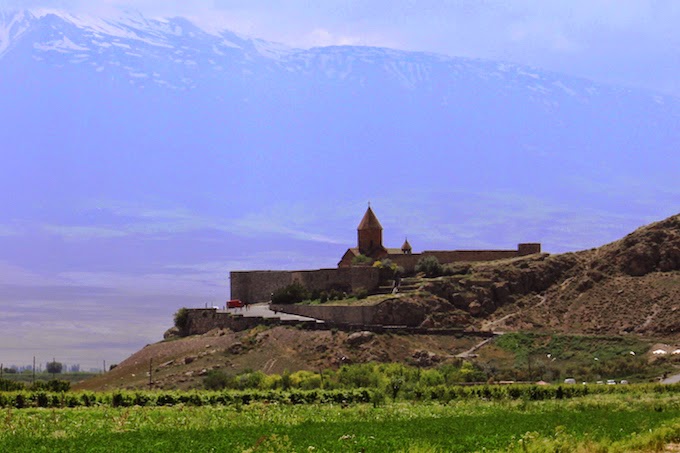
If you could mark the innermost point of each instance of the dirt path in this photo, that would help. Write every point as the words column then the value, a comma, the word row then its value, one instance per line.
column 672, row 379
column 469, row 352
column 498, row 322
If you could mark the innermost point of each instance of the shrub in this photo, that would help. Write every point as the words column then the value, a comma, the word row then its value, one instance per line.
column 361, row 260
column 216, row 380
column 335, row 294
column 7, row 385
column 290, row 294
column 53, row 385
column 430, row 266
column 361, row 293
column 182, row 319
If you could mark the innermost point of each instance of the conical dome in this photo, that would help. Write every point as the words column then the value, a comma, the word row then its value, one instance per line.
column 370, row 221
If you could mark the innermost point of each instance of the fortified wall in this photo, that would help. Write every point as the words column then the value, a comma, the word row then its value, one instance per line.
column 201, row 321
column 257, row 286
column 409, row 261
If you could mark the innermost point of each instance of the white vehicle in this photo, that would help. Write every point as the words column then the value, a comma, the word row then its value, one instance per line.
column 570, row 381
column 611, row 382
column 624, row 382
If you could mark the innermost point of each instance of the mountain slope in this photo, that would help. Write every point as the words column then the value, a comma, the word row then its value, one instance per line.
column 629, row 286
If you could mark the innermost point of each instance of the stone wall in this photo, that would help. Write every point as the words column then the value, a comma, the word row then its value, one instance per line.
column 356, row 315
column 257, row 286
column 202, row 320
column 408, row 262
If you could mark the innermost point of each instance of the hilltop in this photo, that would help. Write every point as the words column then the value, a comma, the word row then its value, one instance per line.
column 629, row 286
column 629, row 289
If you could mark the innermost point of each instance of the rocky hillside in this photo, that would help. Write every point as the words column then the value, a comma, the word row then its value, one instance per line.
column 183, row 363
column 629, row 286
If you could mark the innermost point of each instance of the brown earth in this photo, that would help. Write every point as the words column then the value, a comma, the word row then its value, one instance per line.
column 629, row 286
column 182, row 363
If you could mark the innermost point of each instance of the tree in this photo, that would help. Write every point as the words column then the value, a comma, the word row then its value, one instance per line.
column 54, row 367
column 430, row 266
column 290, row 294
column 182, row 319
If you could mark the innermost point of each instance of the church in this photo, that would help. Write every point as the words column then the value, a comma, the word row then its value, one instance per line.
column 370, row 245
column 351, row 273
column 369, row 242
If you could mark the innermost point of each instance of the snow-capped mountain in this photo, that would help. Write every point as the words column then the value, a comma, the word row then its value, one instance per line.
column 119, row 107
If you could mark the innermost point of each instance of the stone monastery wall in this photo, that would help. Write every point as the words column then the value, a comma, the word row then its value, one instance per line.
column 258, row 286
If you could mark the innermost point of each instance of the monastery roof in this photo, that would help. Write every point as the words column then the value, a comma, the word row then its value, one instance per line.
column 406, row 246
column 370, row 221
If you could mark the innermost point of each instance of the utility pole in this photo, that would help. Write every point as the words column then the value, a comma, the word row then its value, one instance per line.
column 104, row 367
column 150, row 372
column 33, row 380
column 529, row 366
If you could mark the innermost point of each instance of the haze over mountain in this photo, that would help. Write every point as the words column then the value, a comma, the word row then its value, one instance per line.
column 144, row 159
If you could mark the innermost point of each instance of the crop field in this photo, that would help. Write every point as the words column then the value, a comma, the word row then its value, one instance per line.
column 641, row 418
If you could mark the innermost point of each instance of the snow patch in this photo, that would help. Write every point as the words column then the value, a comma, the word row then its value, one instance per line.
column 129, row 26
column 63, row 45
column 565, row 88
column 11, row 30
column 272, row 50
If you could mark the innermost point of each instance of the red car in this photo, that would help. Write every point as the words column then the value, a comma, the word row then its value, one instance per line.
column 235, row 304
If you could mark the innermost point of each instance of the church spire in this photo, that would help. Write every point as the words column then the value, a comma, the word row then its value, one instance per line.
column 369, row 233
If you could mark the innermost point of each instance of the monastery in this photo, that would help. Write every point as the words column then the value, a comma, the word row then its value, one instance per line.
column 350, row 275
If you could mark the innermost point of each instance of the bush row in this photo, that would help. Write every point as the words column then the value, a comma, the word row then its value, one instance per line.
column 441, row 393
column 54, row 385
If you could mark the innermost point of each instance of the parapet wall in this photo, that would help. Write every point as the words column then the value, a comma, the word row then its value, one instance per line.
column 202, row 320
column 355, row 315
column 408, row 262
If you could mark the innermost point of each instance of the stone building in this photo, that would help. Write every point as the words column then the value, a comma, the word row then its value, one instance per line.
column 370, row 245
column 257, row 286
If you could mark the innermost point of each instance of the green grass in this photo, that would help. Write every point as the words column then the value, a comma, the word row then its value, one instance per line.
column 612, row 421
column 583, row 357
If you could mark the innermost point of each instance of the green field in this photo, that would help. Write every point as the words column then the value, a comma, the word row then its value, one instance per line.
column 641, row 418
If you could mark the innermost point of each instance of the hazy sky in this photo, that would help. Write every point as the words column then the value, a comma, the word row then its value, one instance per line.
column 630, row 42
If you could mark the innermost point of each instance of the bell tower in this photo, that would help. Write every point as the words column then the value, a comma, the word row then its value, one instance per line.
column 369, row 234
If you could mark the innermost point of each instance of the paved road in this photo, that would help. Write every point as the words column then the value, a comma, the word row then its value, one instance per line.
column 263, row 311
